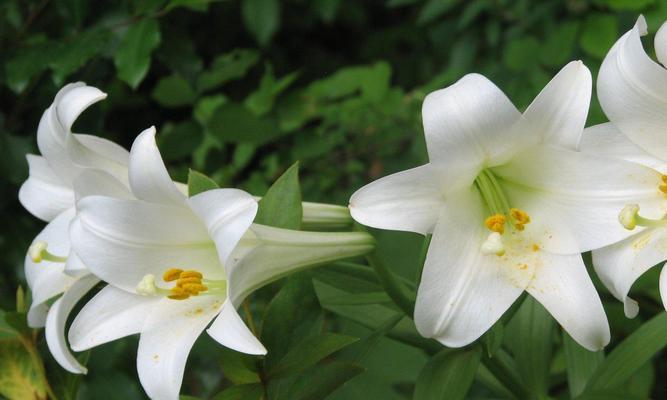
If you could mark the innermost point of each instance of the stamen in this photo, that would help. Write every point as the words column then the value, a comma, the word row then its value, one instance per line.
column 519, row 218
column 493, row 244
column 664, row 178
column 191, row 274
column 496, row 223
column 172, row 274
column 37, row 253
column 663, row 188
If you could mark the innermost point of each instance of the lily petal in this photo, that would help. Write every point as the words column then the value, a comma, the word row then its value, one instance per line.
column 632, row 89
column 622, row 263
column 607, row 141
column 564, row 288
column 93, row 182
column 470, row 123
column 46, row 279
column 266, row 254
column 111, row 314
column 582, row 191
column 227, row 213
column 123, row 240
column 149, row 178
column 56, row 320
column 74, row 266
column 229, row 330
column 43, row 193
column 405, row 201
column 559, row 112
column 166, row 339
column 463, row 292
column 663, row 287
column 660, row 43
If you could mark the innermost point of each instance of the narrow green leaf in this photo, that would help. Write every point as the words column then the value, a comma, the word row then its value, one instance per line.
column 261, row 18
column 239, row 368
column 173, row 91
column 531, row 339
column 581, row 364
column 493, row 339
column 308, row 352
column 251, row 391
column 448, row 375
column 227, row 67
column 133, row 57
column 630, row 355
column 232, row 122
column 318, row 383
column 608, row 395
column 281, row 205
column 261, row 101
column 198, row 182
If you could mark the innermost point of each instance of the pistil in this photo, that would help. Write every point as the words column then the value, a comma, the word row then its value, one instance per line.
column 38, row 252
column 629, row 217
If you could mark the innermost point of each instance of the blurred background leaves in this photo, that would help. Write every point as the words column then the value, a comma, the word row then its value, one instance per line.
column 241, row 90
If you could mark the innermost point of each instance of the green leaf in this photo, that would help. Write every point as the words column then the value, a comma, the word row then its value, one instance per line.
column 281, row 205
column 520, row 53
column 261, row 18
column 318, row 383
column 20, row 378
column 559, row 45
column 179, row 140
column 28, row 62
column 308, row 352
column 173, row 91
column 261, row 101
column 198, row 183
column 70, row 56
column 581, row 364
column 599, row 34
column 133, row 57
column 7, row 330
column 531, row 339
column 292, row 315
column 624, row 5
column 232, row 122
column 239, row 368
column 493, row 339
column 251, row 391
column 434, row 9
column 448, row 375
column 227, row 67
column 630, row 355
column 609, row 395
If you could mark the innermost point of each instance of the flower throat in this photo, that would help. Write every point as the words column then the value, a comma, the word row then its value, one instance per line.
column 501, row 216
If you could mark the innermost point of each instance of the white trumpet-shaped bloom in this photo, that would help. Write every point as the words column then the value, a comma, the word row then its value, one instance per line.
column 174, row 265
column 49, row 193
column 632, row 89
column 511, row 203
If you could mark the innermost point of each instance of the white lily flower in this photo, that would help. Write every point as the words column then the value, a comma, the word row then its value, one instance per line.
column 49, row 193
column 633, row 93
column 174, row 264
column 510, row 204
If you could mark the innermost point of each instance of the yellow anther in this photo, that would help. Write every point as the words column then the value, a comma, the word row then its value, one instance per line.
column 172, row 274
column 496, row 223
column 519, row 216
column 663, row 188
column 178, row 296
column 664, row 178
column 194, row 288
column 191, row 274
column 184, row 281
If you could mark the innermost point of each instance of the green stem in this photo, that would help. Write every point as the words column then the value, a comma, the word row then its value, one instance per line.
column 394, row 288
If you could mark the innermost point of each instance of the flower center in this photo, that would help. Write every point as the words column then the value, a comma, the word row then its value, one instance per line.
column 38, row 252
column 502, row 215
column 187, row 283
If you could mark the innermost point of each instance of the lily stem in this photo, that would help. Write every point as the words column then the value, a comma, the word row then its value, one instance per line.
column 394, row 288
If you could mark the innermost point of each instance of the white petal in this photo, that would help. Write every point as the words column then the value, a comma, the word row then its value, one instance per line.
column 43, row 193
column 564, row 288
column 663, row 287
column 632, row 89
column 470, row 122
column 266, row 253
column 93, row 182
column 463, row 292
column 166, row 339
column 559, row 112
column 46, row 279
column 111, row 314
column 149, row 178
column 57, row 318
column 405, row 201
column 660, row 43
column 227, row 213
column 579, row 194
column 606, row 140
column 123, row 240
column 622, row 263
column 229, row 330
column 74, row 266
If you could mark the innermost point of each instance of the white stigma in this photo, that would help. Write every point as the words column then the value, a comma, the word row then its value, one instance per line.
column 628, row 216
column 36, row 251
column 146, row 286
column 493, row 244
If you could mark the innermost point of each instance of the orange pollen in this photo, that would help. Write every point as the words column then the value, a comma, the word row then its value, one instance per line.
column 519, row 217
column 172, row 274
column 664, row 178
column 536, row 247
column 663, row 188
column 496, row 223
